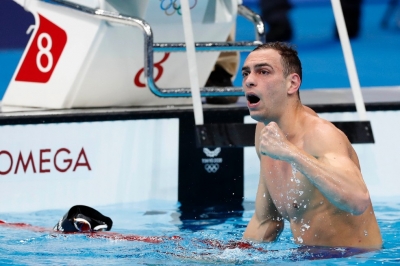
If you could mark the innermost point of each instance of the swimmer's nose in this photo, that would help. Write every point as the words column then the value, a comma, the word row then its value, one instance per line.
column 250, row 84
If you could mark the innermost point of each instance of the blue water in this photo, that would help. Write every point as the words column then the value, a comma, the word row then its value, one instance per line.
column 156, row 218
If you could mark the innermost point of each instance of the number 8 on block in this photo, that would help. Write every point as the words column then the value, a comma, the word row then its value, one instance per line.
column 43, row 54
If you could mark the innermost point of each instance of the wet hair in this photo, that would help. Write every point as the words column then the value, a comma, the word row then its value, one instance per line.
column 289, row 57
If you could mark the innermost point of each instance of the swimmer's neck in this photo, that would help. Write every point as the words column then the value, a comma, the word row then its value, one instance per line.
column 290, row 122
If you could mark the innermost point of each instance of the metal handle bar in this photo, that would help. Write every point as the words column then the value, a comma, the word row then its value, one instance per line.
column 150, row 48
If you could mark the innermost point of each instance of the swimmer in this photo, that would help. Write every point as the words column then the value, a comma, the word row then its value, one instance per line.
column 309, row 172
column 81, row 219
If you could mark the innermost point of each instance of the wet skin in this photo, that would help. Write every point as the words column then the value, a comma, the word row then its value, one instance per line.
column 309, row 172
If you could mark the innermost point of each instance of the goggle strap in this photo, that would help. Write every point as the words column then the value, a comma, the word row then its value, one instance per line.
column 100, row 227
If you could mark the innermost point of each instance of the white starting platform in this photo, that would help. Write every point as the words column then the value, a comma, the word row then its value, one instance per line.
column 80, row 55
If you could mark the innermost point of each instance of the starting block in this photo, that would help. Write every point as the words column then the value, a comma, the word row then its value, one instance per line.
column 74, row 60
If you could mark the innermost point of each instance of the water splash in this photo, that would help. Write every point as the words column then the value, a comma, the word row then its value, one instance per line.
column 305, row 227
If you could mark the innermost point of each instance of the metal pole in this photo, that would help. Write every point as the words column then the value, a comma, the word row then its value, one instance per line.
column 192, row 63
column 349, row 59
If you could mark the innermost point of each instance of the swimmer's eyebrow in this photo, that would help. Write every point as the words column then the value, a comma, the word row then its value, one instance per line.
column 257, row 66
column 246, row 68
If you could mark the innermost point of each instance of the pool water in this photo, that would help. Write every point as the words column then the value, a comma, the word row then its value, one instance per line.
column 208, row 237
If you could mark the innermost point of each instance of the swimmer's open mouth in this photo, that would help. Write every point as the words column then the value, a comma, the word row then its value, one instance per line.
column 252, row 98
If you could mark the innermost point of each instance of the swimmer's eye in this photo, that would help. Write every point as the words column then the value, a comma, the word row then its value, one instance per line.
column 82, row 225
column 244, row 74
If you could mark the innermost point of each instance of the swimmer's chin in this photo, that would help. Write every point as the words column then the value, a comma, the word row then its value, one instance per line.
column 260, row 119
column 257, row 117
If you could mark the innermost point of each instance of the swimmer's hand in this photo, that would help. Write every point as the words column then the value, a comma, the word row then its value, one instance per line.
column 273, row 143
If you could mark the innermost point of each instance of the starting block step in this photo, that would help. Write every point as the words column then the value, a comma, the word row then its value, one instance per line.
column 238, row 135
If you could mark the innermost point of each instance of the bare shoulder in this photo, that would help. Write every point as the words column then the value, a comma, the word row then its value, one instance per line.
column 321, row 137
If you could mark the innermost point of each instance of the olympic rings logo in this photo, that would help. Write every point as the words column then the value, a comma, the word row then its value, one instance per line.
column 211, row 167
column 171, row 6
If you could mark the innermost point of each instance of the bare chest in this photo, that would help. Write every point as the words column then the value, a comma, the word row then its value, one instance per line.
column 291, row 192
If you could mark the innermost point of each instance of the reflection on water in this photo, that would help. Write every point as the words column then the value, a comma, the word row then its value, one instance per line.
column 199, row 217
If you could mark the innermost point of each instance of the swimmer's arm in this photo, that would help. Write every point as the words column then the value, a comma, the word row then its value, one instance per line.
column 266, row 224
column 328, row 165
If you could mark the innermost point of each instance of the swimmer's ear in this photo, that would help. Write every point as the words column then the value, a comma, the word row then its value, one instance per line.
column 82, row 218
column 294, row 82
